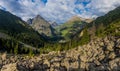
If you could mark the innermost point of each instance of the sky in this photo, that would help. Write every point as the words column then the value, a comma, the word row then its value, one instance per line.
column 58, row 10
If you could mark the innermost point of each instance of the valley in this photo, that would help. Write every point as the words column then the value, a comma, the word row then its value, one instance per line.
column 77, row 45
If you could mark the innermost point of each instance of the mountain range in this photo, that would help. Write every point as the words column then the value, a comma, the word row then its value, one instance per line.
column 77, row 45
column 38, row 34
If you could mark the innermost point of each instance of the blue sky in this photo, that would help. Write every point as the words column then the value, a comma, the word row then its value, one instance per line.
column 58, row 10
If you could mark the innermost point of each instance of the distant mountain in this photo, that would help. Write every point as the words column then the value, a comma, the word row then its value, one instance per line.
column 72, row 26
column 41, row 25
column 53, row 24
column 76, row 18
column 16, row 29
column 29, row 21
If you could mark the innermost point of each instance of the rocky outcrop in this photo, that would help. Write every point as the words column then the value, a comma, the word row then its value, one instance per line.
column 98, row 55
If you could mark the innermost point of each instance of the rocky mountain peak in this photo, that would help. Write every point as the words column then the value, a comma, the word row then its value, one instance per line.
column 41, row 25
column 38, row 17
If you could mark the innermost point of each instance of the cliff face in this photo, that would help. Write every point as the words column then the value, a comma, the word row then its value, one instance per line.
column 99, row 54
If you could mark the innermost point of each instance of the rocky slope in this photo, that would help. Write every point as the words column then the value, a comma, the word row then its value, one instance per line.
column 104, row 56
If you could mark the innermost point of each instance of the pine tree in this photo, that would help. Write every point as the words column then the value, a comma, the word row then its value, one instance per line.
column 16, row 49
column 31, row 53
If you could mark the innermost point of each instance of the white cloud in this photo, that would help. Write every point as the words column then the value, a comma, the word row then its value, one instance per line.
column 100, row 7
column 59, row 10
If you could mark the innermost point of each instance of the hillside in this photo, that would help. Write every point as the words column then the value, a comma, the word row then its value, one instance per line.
column 13, row 31
column 107, row 25
column 72, row 27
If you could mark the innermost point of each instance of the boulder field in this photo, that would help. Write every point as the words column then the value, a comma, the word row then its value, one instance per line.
column 100, row 54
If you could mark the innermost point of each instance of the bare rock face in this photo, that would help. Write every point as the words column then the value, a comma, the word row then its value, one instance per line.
column 98, row 55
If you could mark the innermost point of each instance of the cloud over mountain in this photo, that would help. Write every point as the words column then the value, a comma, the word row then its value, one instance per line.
column 58, row 10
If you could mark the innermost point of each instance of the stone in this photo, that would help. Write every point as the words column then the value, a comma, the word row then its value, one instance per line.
column 110, row 46
column 47, row 62
column 65, row 63
column 112, row 55
column 97, row 62
column 31, row 65
column 63, row 68
column 3, row 56
column 9, row 67
column 118, row 43
column 115, row 64
column 74, row 65
column 1, row 64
